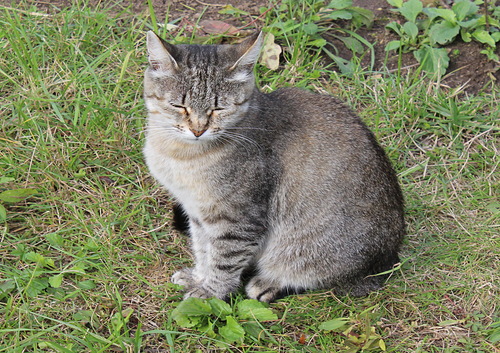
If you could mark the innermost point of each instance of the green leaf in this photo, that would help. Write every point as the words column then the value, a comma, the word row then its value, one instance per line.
column 446, row 14
column 186, row 321
column 78, row 268
column 194, row 307
column 39, row 259
column 494, row 337
column 339, row 4
column 411, row 29
column 6, row 287
column 382, row 345
column 433, row 60
column 230, row 10
column 490, row 54
column 252, row 328
column 232, row 332
column 55, row 347
column 411, row 9
column 36, row 286
column 464, row 8
column 393, row 45
column 4, row 180
column 3, row 213
column 251, row 309
column 494, row 332
column 20, row 251
column 361, row 16
column 443, row 32
column 219, row 307
column 345, row 66
column 449, row 322
column 56, row 281
column 84, row 316
column 494, row 207
column 466, row 36
column 91, row 245
column 35, row 257
column 395, row 3
column 468, row 24
column 318, row 43
column 353, row 44
column 86, row 285
column 206, row 326
column 491, row 21
column 16, row 195
column 484, row 37
column 335, row 324
column 396, row 27
column 339, row 14
column 55, row 239
column 311, row 28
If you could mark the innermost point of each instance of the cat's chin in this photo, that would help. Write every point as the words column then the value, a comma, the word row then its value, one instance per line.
column 198, row 140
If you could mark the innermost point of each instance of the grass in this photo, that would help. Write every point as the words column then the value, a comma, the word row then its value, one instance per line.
column 85, row 264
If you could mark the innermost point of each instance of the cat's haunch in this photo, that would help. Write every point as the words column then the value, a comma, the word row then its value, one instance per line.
column 289, row 186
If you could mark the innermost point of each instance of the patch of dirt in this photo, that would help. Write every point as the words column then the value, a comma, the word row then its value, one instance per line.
column 468, row 68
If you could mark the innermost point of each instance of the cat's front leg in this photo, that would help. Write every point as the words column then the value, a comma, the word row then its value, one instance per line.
column 192, row 277
column 221, row 255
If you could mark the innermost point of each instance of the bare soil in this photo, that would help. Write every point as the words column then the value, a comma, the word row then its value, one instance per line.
column 468, row 68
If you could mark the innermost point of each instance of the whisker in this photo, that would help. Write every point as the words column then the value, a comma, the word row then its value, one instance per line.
column 247, row 128
column 241, row 139
column 228, row 138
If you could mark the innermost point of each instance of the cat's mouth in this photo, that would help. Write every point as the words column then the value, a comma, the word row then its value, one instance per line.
column 193, row 135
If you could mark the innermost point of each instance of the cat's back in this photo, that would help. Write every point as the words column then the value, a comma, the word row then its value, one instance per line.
column 316, row 123
column 326, row 152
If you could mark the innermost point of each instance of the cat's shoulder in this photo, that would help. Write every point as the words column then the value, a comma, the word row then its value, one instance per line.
column 310, row 106
column 292, row 96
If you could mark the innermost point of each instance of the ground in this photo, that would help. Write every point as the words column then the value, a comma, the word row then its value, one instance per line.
column 468, row 67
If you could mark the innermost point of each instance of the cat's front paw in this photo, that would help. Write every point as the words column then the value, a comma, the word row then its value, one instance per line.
column 184, row 278
column 262, row 290
column 199, row 292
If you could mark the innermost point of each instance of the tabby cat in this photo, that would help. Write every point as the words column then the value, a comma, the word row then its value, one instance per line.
column 289, row 188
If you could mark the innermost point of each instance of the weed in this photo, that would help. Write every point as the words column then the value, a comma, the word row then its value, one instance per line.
column 428, row 28
column 359, row 333
column 12, row 195
column 218, row 320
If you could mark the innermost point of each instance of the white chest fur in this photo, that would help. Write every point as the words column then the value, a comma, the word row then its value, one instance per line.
column 189, row 180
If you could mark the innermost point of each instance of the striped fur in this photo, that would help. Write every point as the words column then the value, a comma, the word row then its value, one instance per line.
column 289, row 186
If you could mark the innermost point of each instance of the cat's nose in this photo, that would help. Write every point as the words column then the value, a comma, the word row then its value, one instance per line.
column 198, row 133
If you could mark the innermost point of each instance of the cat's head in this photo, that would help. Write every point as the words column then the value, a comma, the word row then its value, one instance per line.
column 194, row 92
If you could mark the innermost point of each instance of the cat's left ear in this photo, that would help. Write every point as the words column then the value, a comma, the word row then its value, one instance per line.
column 159, row 55
column 248, row 52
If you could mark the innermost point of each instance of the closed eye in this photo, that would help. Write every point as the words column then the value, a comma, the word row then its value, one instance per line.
column 182, row 108
column 215, row 111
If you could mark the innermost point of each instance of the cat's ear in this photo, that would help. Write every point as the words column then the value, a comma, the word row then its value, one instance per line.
column 159, row 54
column 248, row 52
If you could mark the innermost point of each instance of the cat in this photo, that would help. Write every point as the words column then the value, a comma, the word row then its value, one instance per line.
column 290, row 187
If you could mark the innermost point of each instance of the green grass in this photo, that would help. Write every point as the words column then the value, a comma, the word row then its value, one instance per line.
column 85, row 264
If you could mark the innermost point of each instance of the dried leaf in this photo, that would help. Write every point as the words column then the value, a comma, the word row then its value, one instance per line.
column 218, row 27
column 271, row 51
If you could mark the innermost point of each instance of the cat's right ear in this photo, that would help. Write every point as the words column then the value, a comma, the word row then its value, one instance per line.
column 159, row 56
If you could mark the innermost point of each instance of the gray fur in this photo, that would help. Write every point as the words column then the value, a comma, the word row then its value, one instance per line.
column 291, row 183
